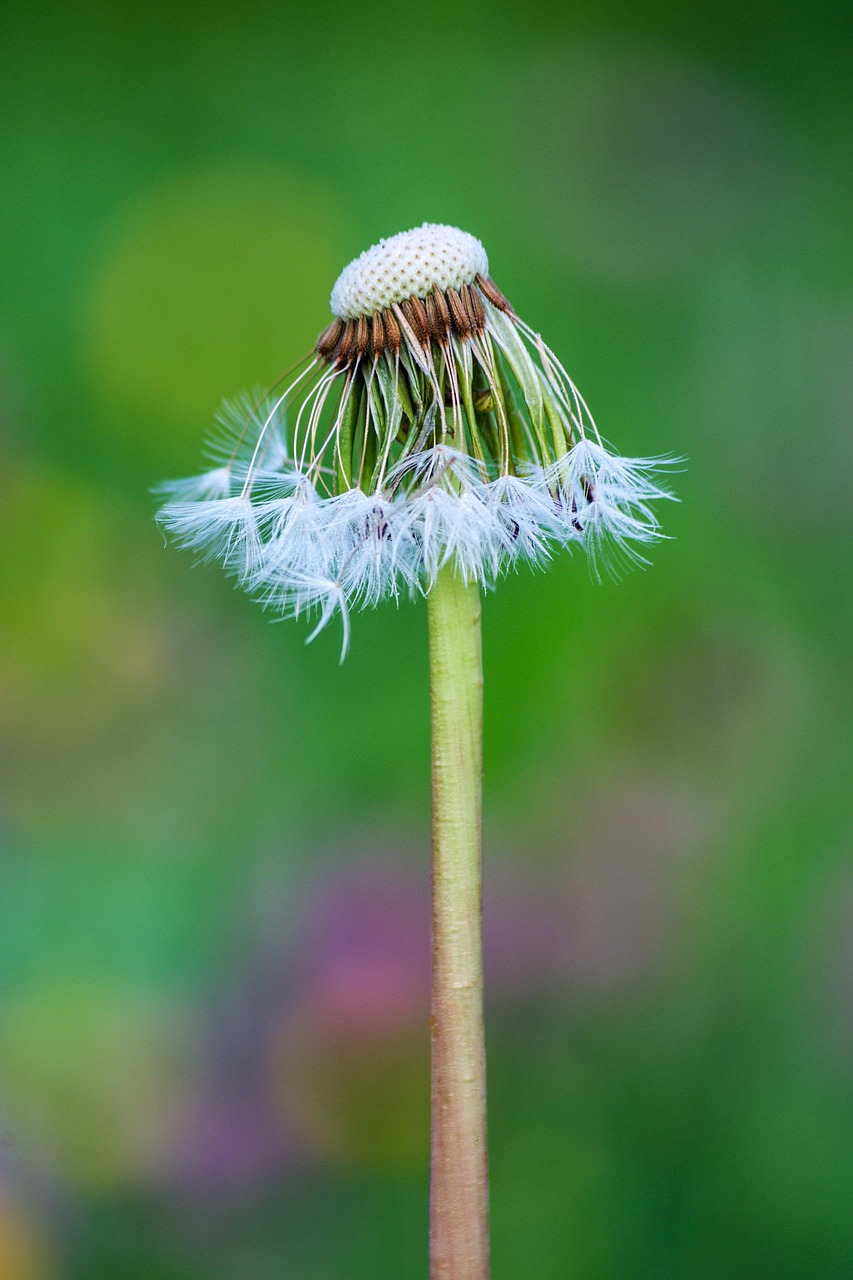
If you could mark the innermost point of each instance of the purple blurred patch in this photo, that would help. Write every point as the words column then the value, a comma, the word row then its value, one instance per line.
column 332, row 1006
column 369, row 948
column 226, row 1141
column 620, row 894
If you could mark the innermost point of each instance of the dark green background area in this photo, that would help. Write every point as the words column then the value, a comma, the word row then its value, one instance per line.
column 214, row 840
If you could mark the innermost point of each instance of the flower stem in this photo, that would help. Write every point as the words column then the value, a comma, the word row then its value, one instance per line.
column 459, row 1229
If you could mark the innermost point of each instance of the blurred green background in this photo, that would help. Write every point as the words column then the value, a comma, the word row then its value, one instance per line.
column 214, row 863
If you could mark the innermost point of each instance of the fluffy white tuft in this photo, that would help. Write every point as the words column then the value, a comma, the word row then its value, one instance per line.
column 602, row 500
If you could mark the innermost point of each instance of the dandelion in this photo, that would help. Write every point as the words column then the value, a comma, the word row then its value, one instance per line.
column 429, row 443
column 430, row 427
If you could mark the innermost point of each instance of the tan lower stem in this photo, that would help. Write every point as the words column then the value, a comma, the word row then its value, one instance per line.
column 459, row 1231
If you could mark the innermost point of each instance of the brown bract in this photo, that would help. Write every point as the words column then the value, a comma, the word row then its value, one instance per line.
column 435, row 318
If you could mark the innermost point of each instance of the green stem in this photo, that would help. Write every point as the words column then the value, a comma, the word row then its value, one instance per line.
column 459, row 1232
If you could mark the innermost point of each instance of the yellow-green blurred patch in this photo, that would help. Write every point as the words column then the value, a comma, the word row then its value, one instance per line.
column 76, row 632
column 211, row 282
column 24, row 1253
column 93, row 1079
column 357, row 1092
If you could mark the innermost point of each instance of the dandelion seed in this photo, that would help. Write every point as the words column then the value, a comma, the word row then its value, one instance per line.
column 431, row 426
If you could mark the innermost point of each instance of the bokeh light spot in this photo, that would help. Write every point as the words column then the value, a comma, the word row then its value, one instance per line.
column 211, row 282
column 93, row 1079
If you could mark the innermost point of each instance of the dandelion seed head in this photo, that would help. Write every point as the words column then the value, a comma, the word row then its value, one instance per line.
column 430, row 426
column 410, row 264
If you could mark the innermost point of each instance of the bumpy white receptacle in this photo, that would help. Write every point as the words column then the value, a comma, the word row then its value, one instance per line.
column 407, row 265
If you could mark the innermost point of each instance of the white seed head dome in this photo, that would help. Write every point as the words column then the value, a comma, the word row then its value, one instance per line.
column 407, row 265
